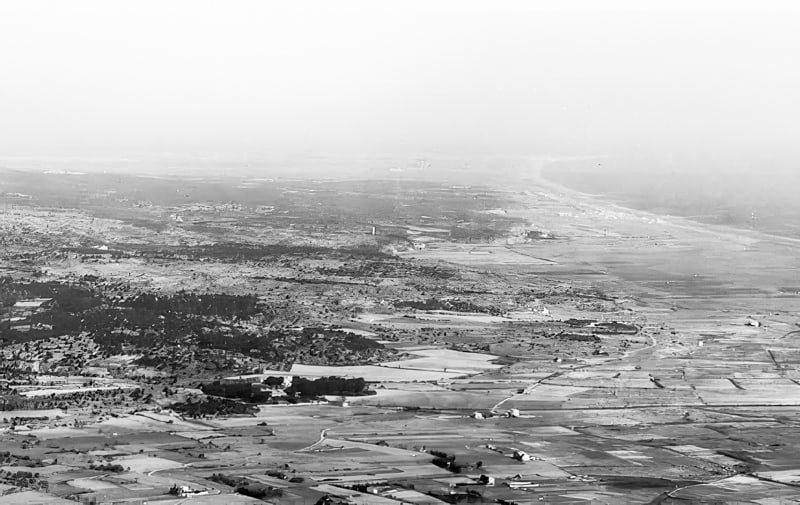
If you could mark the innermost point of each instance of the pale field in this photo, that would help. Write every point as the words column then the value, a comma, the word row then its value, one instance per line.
column 145, row 464
column 33, row 497
column 440, row 400
column 370, row 373
column 148, row 421
column 48, row 470
column 426, row 319
column 92, row 484
column 51, row 413
column 54, row 432
column 425, row 229
column 441, row 359
column 449, row 317
column 67, row 390
column 354, row 497
column 477, row 254
column 222, row 499
column 738, row 489
column 785, row 476
column 531, row 470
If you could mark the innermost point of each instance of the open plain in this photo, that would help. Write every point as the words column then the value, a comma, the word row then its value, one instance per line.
column 240, row 340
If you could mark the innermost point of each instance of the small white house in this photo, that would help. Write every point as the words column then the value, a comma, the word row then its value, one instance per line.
column 521, row 456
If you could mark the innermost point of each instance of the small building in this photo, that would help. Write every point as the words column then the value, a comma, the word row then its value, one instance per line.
column 521, row 455
column 522, row 484
column 34, row 303
column 752, row 322
column 186, row 491
column 486, row 480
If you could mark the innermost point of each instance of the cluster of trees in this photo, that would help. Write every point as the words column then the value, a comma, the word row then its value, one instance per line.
column 453, row 305
column 23, row 479
column 213, row 407
column 247, row 487
column 236, row 390
column 91, row 251
column 278, row 474
column 9, row 459
column 220, row 305
column 15, row 401
column 332, row 500
column 539, row 235
column 151, row 330
column 151, row 318
column 264, row 346
column 51, row 323
column 388, row 268
column 300, row 388
column 448, row 462
column 328, row 386
column 23, row 419
column 615, row 327
column 183, row 326
column 108, row 467
column 478, row 234
column 70, row 298
column 235, row 253
column 579, row 337
column 59, row 319
column 12, row 372
column 273, row 381
column 607, row 327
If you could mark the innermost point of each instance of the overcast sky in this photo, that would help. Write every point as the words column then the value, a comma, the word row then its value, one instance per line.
column 123, row 78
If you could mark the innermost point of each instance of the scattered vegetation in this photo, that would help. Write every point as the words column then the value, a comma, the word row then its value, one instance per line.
column 448, row 304
column 247, row 487
column 213, row 407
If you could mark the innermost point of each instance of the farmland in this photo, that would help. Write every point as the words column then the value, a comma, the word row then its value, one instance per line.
column 569, row 349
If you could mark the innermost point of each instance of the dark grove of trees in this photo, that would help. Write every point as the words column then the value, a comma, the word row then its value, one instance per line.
column 234, row 252
column 240, row 391
column 448, row 462
column 454, row 305
column 220, row 305
column 67, row 297
column 108, row 467
column 247, row 487
column 328, row 386
column 213, row 407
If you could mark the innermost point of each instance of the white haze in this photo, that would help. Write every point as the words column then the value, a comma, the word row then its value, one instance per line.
column 257, row 79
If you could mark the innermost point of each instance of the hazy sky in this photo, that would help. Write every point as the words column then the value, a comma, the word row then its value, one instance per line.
column 120, row 78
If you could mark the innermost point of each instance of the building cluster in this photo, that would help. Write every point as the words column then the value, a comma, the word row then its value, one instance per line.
column 22, row 314
column 187, row 491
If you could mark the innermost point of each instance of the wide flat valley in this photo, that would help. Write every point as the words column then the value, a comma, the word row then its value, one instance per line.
column 562, row 348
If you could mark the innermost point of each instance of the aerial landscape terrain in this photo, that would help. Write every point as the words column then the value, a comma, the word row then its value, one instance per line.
column 408, row 252
column 176, row 338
